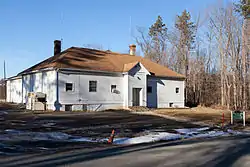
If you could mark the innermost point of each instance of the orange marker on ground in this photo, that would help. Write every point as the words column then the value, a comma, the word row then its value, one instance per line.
column 111, row 138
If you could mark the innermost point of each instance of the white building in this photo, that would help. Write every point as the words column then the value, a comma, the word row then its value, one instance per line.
column 81, row 78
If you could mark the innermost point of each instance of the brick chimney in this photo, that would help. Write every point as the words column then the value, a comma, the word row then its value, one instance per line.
column 57, row 47
column 132, row 49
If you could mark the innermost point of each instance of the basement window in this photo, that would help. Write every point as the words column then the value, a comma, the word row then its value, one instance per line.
column 177, row 90
column 68, row 107
column 69, row 87
column 113, row 88
column 149, row 89
column 84, row 107
column 92, row 86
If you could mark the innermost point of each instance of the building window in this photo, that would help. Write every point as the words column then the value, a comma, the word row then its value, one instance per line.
column 149, row 89
column 177, row 90
column 171, row 104
column 68, row 107
column 92, row 86
column 84, row 107
column 69, row 87
column 113, row 88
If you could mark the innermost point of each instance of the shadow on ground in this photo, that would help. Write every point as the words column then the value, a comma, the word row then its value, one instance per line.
column 228, row 155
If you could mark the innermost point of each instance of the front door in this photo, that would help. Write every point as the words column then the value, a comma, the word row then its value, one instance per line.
column 136, row 96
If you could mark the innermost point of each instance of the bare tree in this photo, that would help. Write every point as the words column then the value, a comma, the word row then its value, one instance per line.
column 217, row 70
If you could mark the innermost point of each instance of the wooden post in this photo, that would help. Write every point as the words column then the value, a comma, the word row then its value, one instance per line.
column 231, row 117
column 244, row 118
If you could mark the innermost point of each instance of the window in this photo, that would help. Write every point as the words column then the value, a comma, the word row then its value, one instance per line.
column 171, row 104
column 84, row 107
column 113, row 88
column 177, row 90
column 69, row 87
column 92, row 86
column 68, row 107
column 149, row 89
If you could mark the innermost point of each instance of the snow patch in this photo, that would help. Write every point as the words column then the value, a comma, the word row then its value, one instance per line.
column 14, row 135
column 3, row 113
column 211, row 134
column 190, row 131
column 148, row 138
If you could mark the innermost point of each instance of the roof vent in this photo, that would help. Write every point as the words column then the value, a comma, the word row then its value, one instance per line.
column 132, row 49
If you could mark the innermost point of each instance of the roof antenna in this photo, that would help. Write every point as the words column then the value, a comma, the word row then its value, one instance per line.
column 61, row 31
column 130, row 30
column 61, row 43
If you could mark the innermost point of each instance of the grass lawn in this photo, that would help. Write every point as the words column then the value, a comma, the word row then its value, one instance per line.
column 208, row 116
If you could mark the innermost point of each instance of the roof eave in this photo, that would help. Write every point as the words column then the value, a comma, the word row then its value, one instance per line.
column 172, row 77
column 34, row 71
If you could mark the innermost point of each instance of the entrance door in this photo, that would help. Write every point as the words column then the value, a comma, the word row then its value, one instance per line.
column 136, row 96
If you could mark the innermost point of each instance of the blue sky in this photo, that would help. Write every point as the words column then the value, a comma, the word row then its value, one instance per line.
column 28, row 27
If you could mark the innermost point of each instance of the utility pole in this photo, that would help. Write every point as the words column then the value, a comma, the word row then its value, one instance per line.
column 4, row 70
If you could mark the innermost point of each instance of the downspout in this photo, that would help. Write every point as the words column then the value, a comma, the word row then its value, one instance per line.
column 57, row 104
column 22, row 90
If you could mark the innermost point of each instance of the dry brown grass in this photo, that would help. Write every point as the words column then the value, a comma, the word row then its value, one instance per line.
column 202, row 114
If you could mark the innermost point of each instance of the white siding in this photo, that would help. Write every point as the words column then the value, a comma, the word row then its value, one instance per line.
column 44, row 82
column 137, row 78
column 14, row 90
column 163, row 89
column 103, row 98
column 163, row 92
column 125, row 90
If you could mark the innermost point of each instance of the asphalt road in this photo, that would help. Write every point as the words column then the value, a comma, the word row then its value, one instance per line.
column 217, row 152
column 212, row 153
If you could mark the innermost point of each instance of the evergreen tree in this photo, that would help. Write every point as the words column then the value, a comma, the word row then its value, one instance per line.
column 187, row 31
column 158, row 37
column 243, row 7
column 158, row 30
column 186, row 28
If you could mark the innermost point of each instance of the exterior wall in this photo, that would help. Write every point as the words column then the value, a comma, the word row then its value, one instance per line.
column 163, row 89
column 125, row 90
column 14, row 90
column 163, row 92
column 8, row 91
column 137, row 78
column 44, row 82
column 102, row 99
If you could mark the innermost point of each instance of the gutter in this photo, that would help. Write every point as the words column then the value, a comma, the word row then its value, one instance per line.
column 83, row 70
column 169, row 77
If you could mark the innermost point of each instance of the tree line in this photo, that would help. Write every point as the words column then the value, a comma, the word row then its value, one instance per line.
column 213, row 53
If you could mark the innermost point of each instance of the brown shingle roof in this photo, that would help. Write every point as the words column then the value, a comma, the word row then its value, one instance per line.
column 91, row 59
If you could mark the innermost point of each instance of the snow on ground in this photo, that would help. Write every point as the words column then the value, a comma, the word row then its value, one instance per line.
column 191, row 131
column 152, row 137
column 147, row 137
column 204, row 132
column 16, row 135
column 3, row 113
